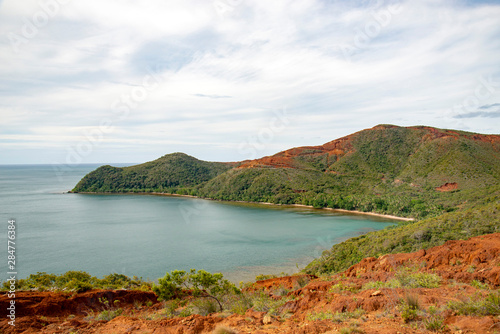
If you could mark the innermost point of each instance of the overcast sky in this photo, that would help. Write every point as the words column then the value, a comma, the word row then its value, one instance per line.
column 227, row 80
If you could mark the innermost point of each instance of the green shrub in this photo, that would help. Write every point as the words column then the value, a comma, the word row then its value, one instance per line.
column 262, row 302
column 479, row 285
column 409, row 308
column 341, row 287
column 108, row 315
column 203, row 306
column 478, row 305
column 409, row 278
column 179, row 283
column 224, row 330
column 337, row 316
column 435, row 324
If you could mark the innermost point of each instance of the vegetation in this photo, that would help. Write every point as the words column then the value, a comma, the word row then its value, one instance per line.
column 410, row 237
column 387, row 169
column 77, row 281
column 478, row 306
column 179, row 284
column 173, row 173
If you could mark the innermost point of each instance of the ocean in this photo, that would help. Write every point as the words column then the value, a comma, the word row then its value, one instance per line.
column 147, row 235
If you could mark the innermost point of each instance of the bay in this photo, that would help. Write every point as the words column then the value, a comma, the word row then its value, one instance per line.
column 147, row 235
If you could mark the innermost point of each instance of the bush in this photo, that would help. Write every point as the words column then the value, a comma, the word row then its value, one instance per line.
column 262, row 302
column 409, row 278
column 478, row 305
column 179, row 283
column 409, row 308
column 108, row 315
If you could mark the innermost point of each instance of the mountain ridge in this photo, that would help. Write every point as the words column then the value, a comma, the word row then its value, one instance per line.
column 413, row 171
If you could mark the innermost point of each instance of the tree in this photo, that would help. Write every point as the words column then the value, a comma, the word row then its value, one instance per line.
column 179, row 283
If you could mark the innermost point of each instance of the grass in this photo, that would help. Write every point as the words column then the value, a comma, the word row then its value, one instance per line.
column 224, row 330
column 435, row 324
column 342, row 287
column 479, row 285
column 78, row 281
column 108, row 315
column 478, row 305
column 337, row 316
column 407, row 277
column 411, row 237
column 262, row 302
column 409, row 308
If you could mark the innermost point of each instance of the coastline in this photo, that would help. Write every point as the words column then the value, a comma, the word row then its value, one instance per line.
column 353, row 212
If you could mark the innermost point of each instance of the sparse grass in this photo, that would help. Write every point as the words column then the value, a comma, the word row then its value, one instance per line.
column 478, row 305
column 224, row 330
column 301, row 282
column 435, row 324
column 341, row 287
column 337, row 316
column 479, row 285
column 411, row 278
column 391, row 284
column 351, row 330
column 238, row 304
column 107, row 315
column 263, row 277
column 409, row 308
column 281, row 291
column 262, row 302
column 407, row 278
column 203, row 306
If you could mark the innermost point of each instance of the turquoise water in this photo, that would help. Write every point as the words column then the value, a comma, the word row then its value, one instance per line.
column 147, row 235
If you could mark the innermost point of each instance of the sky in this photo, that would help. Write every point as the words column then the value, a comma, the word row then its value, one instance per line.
column 228, row 80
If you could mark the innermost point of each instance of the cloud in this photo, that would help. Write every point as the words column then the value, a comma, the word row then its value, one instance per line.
column 213, row 96
column 486, row 111
column 187, row 72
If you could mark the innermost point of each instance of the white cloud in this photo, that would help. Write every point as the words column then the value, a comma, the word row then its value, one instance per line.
column 221, row 75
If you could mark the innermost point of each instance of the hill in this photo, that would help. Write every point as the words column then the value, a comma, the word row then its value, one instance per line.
column 170, row 173
column 406, row 171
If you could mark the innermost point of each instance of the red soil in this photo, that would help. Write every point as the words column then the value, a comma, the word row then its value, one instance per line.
column 448, row 187
column 456, row 262
column 342, row 146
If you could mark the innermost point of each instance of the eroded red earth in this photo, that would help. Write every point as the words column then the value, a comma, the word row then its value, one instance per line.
column 458, row 263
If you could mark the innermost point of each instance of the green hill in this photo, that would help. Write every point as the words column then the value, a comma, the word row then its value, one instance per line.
column 411, row 237
column 170, row 173
column 407, row 171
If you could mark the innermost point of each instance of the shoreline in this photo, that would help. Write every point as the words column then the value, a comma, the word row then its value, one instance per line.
column 353, row 212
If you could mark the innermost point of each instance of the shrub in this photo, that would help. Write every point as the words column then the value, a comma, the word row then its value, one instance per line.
column 435, row 324
column 479, row 285
column 107, row 315
column 478, row 305
column 224, row 330
column 262, row 302
column 409, row 308
column 203, row 306
column 341, row 287
column 179, row 283
column 409, row 278
column 337, row 316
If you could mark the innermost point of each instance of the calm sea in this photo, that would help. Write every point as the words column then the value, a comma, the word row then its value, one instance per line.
column 148, row 235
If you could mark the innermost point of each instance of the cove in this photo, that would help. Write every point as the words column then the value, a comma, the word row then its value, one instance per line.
column 146, row 235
